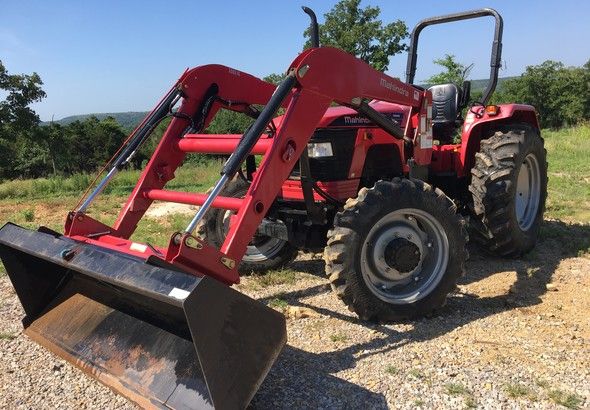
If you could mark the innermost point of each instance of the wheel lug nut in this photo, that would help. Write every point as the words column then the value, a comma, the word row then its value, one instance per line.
column 429, row 244
column 416, row 278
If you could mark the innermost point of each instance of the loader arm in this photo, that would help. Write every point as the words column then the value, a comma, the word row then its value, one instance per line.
column 323, row 75
column 317, row 78
column 158, row 324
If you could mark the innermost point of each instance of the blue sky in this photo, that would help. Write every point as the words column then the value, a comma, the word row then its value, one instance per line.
column 109, row 56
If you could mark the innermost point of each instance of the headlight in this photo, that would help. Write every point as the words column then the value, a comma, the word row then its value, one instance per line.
column 319, row 149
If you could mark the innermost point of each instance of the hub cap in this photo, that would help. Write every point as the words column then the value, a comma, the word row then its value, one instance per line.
column 528, row 192
column 404, row 256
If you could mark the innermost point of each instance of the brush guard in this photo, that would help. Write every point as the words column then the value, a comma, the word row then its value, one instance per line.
column 162, row 337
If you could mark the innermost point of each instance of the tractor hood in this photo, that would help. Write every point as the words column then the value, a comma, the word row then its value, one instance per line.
column 347, row 117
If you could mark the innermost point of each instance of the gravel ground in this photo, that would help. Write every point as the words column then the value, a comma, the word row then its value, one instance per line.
column 516, row 334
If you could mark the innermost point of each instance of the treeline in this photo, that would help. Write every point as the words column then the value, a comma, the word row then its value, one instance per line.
column 560, row 94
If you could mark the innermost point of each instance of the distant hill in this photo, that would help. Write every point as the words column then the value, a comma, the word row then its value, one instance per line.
column 129, row 120
column 480, row 85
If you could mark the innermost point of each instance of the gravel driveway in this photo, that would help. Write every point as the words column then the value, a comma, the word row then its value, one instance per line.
column 516, row 334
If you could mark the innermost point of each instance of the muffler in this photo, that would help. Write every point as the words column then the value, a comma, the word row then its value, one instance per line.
column 162, row 337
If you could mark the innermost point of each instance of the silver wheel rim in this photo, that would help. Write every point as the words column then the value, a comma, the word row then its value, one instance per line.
column 420, row 233
column 261, row 248
column 528, row 192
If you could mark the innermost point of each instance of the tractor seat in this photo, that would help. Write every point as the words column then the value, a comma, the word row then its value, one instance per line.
column 445, row 110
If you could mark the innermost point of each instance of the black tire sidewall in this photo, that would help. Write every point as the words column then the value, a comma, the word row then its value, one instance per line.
column 526, row 240
column 392, row 197
column 237, row 188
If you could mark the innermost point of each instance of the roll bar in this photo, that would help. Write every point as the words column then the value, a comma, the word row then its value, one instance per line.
column 496, row 59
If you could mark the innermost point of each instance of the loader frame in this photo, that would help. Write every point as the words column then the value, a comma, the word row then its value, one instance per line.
column 316, row 78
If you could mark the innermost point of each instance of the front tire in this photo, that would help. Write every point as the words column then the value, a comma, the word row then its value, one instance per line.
column 396, row 250
column 509, row 189
column 262, row 254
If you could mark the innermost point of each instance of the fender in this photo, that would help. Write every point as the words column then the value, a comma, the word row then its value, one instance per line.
column 478, row 122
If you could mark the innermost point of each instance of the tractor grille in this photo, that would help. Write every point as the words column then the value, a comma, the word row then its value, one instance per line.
column 336, row 167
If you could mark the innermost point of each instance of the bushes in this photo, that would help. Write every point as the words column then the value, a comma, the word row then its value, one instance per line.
column 560, row 94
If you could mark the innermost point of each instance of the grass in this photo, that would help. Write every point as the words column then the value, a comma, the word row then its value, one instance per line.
column 195, row 178
column 338, row 337
column 542, row 383
column 456, row 389
column 7, row 336
column 278, row 303
column 28, row 215
column 275, row 278
column 392, row 370
column 470, row 402
column 568, row 151
column 518, row 390
column 572, row 239
column 418, row 374
column 569, row 400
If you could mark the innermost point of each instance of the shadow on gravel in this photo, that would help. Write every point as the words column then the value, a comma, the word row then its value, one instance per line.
column 305, row 380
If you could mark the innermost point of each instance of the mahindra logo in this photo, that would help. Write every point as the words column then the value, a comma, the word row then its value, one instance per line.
column 394, row 88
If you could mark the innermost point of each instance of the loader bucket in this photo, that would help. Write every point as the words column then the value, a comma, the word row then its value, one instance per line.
column 159, row 336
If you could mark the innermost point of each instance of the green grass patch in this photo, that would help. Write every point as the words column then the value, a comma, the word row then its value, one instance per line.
column 518, row 390
column 470, row 402
column 191, row 177
column 338, row 337
column 542, row 383
column 276, row 277
column 456, row 389
column 2, row 270
column 418, row 374
column 7, row 336
column 28, row 215
column 569, row 400
column 392, row 370
column 278, row 303
column 568, row 151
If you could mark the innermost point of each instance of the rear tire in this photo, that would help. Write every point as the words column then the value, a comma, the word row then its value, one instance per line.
column 509, row 189
column 263, row 253
column 396, row 250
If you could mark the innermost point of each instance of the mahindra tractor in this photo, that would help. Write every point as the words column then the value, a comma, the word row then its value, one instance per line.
column 382, row 175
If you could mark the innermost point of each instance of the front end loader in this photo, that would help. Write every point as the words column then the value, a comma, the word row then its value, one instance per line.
column 162, row 326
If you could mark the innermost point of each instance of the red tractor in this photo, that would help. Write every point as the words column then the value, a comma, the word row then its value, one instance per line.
column 383, row 181
column 385, row 189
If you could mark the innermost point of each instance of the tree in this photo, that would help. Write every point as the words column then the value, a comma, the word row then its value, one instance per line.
column 455, row 72
column 275, row 78
column 22, row 90
column 361, row 33
column 559, row 93
column 16, row 117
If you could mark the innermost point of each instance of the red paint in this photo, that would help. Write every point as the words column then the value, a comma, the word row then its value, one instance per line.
column 192, row 199
column 330, row 75
column 218, row 144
